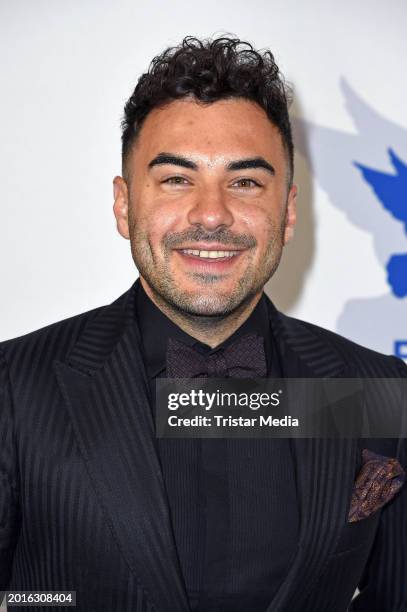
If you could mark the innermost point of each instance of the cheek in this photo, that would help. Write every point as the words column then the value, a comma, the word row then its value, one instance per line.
column 260, row 223
column 150, row 211
column 158, row 221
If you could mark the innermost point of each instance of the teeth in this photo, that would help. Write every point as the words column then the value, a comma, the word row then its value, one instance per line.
column 210, row 254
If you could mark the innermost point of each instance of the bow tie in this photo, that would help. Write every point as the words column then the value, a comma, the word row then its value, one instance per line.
column 243, row 358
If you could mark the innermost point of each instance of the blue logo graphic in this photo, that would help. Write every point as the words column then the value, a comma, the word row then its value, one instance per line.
column 367, row 181
column 391, row 190
column 401, row 349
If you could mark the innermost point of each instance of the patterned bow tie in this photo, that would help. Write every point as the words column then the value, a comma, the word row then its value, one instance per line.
column 244, row 358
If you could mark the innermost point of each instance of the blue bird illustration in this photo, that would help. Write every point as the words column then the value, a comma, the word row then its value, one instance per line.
column 345, row 162
column 391, row 189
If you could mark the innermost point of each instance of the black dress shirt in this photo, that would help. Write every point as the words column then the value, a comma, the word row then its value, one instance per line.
column 233, row 502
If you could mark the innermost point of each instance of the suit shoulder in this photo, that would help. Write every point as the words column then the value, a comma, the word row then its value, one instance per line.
column 55, row 339
column 360, row 356
column 38, row 349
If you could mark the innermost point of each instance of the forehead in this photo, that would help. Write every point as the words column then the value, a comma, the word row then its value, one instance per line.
column 226, row 128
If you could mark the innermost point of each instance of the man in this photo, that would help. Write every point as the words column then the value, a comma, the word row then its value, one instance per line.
column 91, row 500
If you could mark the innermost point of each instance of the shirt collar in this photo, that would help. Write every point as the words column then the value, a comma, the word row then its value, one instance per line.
column 155, row 329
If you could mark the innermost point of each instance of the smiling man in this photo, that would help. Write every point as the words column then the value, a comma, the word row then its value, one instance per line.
column 90, row 499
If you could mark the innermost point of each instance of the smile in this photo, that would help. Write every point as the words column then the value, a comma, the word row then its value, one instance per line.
column 209, row 261
column 210, row 254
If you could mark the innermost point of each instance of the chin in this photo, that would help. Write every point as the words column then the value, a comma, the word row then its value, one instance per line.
column 205, row 305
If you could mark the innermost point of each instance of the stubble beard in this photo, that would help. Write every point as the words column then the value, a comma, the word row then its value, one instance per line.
column 206, row 301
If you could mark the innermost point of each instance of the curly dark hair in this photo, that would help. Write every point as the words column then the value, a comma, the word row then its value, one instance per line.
column 210, row 70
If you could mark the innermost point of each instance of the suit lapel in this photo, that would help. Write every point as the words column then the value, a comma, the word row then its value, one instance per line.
column 324, row 467
column 106, row 392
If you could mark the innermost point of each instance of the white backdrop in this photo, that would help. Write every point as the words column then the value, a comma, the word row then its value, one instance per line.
column 68, row 68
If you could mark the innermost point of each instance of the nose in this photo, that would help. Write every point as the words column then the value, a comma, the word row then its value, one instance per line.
column 210, row 210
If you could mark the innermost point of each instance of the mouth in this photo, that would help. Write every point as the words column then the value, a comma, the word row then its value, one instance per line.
column 211, row 260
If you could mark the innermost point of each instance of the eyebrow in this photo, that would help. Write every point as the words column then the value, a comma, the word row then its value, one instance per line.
column 174, row 160
column 251, row 162
column 184, row 162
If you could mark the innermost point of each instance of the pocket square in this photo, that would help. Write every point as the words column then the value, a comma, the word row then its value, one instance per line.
column 377, row 483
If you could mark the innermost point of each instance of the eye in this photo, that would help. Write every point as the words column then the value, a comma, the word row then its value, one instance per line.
column 246, row 183
column 176, row 180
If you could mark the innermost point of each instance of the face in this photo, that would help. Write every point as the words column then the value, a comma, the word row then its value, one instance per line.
column 206, row 204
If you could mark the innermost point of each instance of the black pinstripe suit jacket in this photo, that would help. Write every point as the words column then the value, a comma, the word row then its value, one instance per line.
column 82, row 499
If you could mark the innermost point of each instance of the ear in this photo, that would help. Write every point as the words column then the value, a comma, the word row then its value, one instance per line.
column 291, row 214
column 121, row 206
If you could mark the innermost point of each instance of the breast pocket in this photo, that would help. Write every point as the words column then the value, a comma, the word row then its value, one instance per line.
column 358, row 533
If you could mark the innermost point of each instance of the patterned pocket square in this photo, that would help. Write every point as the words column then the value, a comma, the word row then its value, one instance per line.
column 377, row 483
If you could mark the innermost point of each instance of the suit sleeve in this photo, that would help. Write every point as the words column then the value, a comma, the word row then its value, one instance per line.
column 383, row 586
column 9, row 514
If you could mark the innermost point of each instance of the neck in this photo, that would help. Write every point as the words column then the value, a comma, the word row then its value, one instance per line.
column 211, row 330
